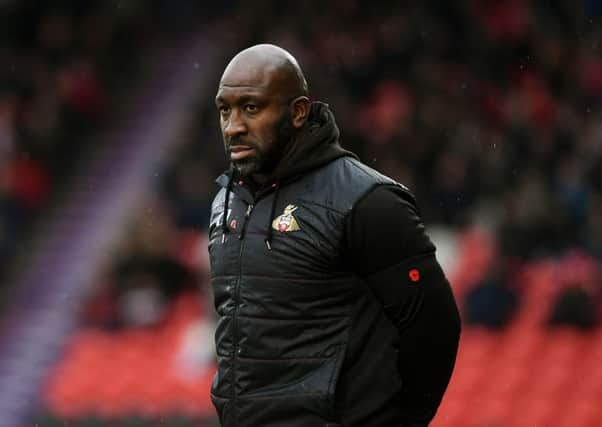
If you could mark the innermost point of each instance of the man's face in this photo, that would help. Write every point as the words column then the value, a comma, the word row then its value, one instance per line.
column 255, row 121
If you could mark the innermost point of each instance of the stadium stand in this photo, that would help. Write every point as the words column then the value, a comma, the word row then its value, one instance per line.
column 58, row 89
column 490, row 111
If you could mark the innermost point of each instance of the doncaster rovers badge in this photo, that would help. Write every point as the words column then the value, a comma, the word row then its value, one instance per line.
column 286, row 221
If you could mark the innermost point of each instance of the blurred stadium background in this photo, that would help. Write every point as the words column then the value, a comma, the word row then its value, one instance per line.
column 109, row 143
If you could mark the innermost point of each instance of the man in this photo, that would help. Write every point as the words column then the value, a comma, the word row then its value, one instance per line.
column 333, row 309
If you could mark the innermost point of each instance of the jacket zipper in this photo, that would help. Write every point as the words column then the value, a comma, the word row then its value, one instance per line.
column 237, row 299
column 241, row 236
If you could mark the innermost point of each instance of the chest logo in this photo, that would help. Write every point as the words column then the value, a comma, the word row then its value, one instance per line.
column 286, row 221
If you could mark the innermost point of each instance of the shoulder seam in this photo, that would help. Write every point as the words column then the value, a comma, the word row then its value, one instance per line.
column 330, row 208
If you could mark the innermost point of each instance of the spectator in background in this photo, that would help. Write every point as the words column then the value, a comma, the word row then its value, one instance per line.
column 574, row 307
column 493, row 300
column 146, row 279
column 577, row 300
column 189, row 189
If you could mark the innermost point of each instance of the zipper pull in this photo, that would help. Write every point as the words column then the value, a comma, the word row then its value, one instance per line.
column 244, row 225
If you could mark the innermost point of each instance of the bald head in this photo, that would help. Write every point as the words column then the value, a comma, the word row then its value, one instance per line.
column 263, row 104
column 266, row 66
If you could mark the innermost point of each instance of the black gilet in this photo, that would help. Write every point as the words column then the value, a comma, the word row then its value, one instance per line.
column 287, row 302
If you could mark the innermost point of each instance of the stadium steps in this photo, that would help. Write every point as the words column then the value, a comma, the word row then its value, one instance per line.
column 78, row 235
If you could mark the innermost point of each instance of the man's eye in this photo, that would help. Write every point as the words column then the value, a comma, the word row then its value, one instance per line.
column 251, row 108
column 224, row 109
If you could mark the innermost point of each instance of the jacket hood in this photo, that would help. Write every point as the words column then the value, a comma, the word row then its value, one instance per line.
column 316, row 144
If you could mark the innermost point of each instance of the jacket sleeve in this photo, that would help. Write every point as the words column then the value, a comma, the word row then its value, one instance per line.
column 388, row 247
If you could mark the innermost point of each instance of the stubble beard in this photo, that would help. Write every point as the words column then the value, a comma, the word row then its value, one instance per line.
column 247, row 167
column 266, row 159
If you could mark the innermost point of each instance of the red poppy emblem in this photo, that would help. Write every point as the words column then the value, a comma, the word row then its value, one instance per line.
column 233, row 224
column 414, row 275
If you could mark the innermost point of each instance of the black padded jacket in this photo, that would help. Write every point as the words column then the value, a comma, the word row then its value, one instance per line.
column 304, row 338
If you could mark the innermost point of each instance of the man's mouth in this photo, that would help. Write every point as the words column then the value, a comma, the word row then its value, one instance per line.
column 239, row 152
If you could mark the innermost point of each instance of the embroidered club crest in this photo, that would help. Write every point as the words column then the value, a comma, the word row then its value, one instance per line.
column 286, row 221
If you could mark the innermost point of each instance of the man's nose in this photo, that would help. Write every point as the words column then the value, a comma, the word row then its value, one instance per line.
column 234, row 126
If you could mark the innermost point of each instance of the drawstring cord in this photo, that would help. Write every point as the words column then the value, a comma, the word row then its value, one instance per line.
column 225, row 228
column 269, row 234
column 268, row 238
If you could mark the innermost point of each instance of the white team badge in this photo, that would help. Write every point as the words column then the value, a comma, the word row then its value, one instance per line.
column 286, row 221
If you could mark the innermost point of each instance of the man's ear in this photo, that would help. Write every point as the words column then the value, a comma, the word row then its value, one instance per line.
column 300, row 111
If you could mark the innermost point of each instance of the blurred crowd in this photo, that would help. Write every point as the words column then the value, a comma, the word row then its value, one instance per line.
column 57, row 87
column 68, row 68
column 489, row 111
